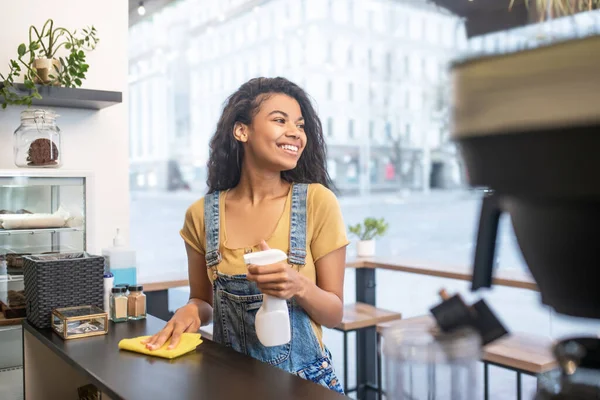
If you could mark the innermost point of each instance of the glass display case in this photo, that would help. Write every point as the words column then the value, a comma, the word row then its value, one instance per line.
column 41, row 212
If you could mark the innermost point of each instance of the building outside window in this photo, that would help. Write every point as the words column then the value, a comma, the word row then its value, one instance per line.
column 383, row 166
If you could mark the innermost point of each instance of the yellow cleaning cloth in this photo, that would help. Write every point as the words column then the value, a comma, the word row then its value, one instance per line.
column 188, row 343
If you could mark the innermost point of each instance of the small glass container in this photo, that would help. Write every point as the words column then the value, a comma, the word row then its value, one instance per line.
column 118, row 304
column 424, row 363
column 37, row 141
column 78, row 322
column 136, row 302
column 578, row 372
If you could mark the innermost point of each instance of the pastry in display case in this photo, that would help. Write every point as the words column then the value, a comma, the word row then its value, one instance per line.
column 41, row 212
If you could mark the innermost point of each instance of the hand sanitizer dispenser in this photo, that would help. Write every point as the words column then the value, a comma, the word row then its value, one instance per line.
column 121, row 262
column 272, row 319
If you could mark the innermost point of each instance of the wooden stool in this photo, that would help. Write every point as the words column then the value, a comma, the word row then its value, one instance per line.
column 359, row 316
column 520, row 352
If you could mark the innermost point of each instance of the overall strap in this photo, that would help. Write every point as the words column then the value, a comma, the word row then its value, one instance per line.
column 211, row 228
column 297, row 255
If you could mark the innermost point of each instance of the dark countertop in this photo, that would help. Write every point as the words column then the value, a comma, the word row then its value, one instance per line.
column 211, row 372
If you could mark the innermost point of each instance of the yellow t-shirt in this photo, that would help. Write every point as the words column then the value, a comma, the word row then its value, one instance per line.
column 325, row 231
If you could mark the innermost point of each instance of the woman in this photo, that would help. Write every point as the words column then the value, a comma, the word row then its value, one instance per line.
column 268, row 188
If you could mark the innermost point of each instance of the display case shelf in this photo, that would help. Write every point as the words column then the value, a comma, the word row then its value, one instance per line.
column 12, row 322
column 10, row 278
column 6, row 282
column 33, row 180
column 9, row 232
column 48, row 193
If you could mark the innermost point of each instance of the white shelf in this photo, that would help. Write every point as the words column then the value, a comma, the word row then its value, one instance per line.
column 10, row 232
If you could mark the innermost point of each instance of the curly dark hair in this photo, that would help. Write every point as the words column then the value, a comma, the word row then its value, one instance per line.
column 226, row 153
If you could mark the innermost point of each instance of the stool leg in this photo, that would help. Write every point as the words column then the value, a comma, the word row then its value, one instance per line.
column 519, row 394
column 379, row 369
column 486, row 378
column 346, row 362
column 430, row 384
column 410, row 380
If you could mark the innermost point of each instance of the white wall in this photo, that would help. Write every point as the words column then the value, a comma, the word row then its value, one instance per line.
column 92, row 140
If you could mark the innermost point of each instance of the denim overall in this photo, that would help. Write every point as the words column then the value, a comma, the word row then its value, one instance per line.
column 236, row 301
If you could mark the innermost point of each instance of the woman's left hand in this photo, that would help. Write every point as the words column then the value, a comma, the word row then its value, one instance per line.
column 278, row 280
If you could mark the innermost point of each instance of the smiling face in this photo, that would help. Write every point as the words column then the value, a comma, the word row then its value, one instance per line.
column 276, row 138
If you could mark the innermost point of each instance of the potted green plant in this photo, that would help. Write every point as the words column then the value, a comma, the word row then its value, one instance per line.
column 366, row 233
column 39, row 62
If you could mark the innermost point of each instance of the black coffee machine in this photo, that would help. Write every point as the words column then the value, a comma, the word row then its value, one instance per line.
column 528, row 128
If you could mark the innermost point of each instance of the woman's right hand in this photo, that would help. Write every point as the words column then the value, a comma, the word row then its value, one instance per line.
column 186, row 319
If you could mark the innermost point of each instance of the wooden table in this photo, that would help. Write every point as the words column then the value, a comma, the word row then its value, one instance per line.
column 503, row 277
column 54, row 369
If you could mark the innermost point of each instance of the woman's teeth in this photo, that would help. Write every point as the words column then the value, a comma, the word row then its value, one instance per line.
column 289, row 147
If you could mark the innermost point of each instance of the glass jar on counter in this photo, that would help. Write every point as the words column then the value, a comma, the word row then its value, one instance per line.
column 118, row 304
column 136, row 302
column 578, row 372
column 37, row 141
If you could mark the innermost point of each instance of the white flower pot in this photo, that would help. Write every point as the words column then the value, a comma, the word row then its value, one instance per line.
column 365, row 248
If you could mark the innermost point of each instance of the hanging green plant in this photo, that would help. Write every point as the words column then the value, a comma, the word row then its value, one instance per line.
column 559, row 8
column 38, row 63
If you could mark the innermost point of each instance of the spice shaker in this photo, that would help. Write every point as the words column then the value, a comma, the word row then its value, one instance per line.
column 136, row 302
column 118, row 304
column 109, row 280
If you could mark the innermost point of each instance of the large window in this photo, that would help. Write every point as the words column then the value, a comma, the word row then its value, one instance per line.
column 393, row 142
column 378, row 72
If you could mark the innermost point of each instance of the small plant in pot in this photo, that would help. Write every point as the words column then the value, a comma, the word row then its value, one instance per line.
column 366, row 233
column 39, row 62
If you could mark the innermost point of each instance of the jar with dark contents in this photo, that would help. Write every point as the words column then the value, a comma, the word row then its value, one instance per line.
column 37, row 141
column 136, row 302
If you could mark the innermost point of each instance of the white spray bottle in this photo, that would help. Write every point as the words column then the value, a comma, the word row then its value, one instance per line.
column 272, row 319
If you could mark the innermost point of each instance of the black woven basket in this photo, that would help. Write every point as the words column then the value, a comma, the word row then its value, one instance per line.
column 61, row 280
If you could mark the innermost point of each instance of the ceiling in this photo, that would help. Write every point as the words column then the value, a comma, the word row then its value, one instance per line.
column 151, row 7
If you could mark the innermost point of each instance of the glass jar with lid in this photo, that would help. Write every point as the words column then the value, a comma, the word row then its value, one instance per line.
column 136, row 302
column 118, row 304
column 37, row 141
